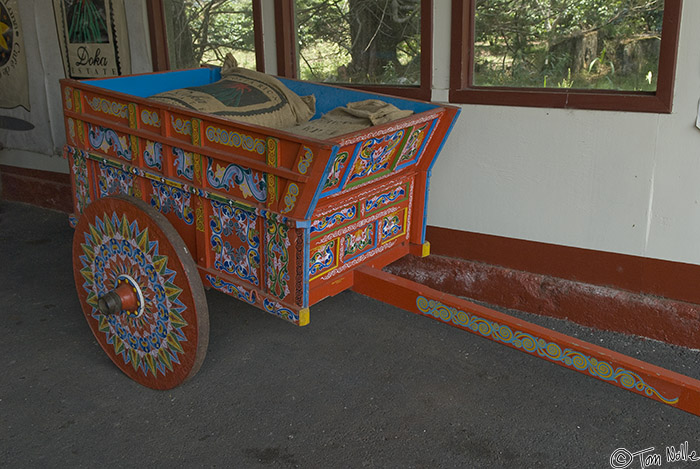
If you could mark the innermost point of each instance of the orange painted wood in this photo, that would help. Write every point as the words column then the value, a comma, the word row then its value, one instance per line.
column 230, row 156
column 342, row 282
column 606, row 365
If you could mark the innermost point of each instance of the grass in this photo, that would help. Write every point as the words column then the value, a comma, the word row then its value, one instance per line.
column 535, row 71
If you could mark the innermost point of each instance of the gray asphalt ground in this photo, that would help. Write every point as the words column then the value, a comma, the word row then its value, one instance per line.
column 364, row 385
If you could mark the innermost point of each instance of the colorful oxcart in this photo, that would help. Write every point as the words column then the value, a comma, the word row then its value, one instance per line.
column 168, row 200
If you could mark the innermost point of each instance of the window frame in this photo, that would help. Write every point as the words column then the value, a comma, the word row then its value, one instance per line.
column 287, row 53
column 159, row 38
column 462, row 89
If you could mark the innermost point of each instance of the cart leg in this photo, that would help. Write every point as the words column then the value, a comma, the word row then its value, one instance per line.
column 611, row 367
column 420, row 250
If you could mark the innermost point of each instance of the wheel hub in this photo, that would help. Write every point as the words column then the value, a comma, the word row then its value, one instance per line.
column 126, row 297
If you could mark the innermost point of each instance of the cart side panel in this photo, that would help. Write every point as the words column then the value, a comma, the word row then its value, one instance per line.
column 110, row 142
column 373, row 198
column 253, row 254
column 175, row 202
column 374, row 158
column 236, row 181
column 233, row 242
column 380, row 153
column 151, row 153
column 224, row 211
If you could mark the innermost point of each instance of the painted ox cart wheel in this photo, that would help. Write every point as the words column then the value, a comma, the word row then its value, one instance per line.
column 140, row 291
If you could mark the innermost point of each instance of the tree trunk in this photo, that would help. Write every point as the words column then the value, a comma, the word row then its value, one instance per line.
column 180, row 45
column 375, row 37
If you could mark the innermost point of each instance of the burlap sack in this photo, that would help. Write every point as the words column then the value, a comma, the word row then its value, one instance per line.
column 351, row 118
column 244, row 95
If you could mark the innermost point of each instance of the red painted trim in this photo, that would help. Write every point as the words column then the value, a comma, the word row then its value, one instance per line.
column 259, row 38
column 43, row 188
column 462, row 89
column 286, row 39
column 158, row 35
column 609, row 366
column 674, row 280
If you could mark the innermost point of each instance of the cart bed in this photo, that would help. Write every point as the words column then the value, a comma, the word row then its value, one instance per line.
column 277, row 220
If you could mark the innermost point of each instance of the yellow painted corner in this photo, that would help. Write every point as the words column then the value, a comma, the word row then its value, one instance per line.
column 304, row 318
column 425, row 249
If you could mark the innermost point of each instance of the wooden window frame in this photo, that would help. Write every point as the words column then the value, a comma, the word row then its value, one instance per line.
column 462, row 89
column 287, row 54
column 159, row 38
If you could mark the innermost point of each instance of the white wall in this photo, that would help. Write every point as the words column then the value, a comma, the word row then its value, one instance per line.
column 609, row 181
column 41, row 147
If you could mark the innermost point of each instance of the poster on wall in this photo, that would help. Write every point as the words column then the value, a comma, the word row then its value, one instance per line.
column 93, row 37
column 14, row 83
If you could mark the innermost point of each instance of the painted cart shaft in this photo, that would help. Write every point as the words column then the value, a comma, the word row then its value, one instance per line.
column 270, row 218
column 611, row 367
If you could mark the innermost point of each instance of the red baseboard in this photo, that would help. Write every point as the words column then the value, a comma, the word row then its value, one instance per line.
column 675, row 280
column 43, row 188
column 602, row 290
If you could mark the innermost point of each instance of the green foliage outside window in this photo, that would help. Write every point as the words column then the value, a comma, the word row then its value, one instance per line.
column 204, row 31
column 341, row 41
column 359, row 41
column 582, row 44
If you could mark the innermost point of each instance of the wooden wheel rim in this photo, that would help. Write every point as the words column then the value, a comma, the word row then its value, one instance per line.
column 166, row 345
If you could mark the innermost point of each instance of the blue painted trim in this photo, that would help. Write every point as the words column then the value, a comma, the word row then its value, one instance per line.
column 93, row 175
column 307, row 262
column 319, row 188
column 330, row 192
column 422, row 147
column 351, row 164
column 335, row 96
column 430, row 171
column 303, row 224
column 150, row 84
column 425, row 206
column 340, row 182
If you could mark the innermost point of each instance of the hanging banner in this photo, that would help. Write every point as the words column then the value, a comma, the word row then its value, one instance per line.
column 14, row 83
column 93, row 37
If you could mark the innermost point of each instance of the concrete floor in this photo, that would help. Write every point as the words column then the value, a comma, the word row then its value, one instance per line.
column 364, row 385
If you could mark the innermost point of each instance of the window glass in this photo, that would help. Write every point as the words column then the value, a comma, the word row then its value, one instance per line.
column 577, row 44
column 363, row 42
column 204, row 31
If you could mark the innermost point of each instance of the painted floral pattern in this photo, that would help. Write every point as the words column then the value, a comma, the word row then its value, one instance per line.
column 116, row 246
